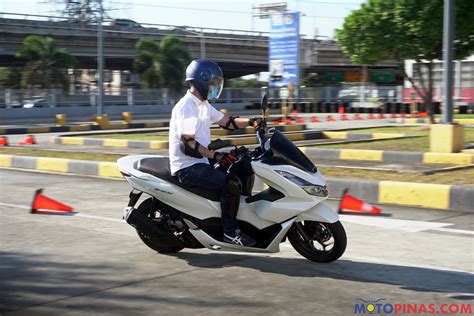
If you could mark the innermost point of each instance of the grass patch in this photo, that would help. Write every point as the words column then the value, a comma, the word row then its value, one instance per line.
column 421, row 143
column 59, row 154
column 456, row 177
column 459, row 116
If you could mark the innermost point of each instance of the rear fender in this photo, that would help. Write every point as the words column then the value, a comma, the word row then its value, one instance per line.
column 319, row 213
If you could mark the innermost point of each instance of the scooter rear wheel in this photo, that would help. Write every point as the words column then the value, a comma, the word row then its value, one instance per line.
column 319, row 242
column 147, row 208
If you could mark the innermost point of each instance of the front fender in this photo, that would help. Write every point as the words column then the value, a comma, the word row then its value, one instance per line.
column 319, row 213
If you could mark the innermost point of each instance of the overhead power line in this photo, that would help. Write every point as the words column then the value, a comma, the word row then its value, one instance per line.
column 213, row 10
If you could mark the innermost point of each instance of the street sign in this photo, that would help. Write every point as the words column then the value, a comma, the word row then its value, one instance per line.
column 284, row 49
column 266, row 9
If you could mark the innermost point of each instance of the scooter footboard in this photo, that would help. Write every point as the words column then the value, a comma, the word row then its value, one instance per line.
column 319, row 213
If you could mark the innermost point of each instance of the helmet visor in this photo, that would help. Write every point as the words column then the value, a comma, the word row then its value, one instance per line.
column 215, row 87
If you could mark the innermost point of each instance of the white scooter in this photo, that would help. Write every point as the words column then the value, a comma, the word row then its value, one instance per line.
column 177, row 216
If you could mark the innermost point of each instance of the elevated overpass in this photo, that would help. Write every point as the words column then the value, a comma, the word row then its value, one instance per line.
column 238, row 52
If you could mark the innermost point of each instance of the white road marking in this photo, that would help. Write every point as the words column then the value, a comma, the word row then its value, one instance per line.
column 25, row 207
column 401, row 224
column 381, row 222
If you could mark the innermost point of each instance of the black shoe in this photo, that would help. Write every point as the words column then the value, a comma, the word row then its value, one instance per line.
column 239, row 238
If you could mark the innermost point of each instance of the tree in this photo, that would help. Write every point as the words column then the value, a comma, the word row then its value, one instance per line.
column 10, row 78
column 161, row 64
column 147, row 62
column 47, row 65
column 406, row 29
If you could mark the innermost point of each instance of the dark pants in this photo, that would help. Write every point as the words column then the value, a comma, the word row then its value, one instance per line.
column 205, row 176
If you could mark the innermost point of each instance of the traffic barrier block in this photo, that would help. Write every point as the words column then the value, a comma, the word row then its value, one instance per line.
column 115, row 143
column 339, row 135
column 109, row 169
column 448, row 158
column 354, row 154
column 61, row 119
column 127, row 117
column 52, row 164
column 415, row 194
column 5, row 160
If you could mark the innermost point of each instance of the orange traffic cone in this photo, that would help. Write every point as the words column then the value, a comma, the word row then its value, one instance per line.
column 341, row 110
column 348, row 202
column 330, row 118
column 3, row 141
column 276, row 122
column 358, row 117
column 288, row 121
column 382, row 116
column 42, row 202
column 344, row 118
column 29, row 140
column 393, row 115
column 299, row 120
column 404, row 115
column 315, row 119
column 372, row 117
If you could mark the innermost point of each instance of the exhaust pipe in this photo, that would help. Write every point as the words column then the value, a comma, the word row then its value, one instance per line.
column 157, row 232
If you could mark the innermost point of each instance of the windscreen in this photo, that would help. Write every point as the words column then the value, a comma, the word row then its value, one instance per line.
column 283, row 148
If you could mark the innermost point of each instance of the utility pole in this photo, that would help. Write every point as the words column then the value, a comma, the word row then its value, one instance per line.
column 448, row 30
column 100, row 60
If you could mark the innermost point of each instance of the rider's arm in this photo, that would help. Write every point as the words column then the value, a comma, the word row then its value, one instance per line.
column 240, row 122
column 201, row 149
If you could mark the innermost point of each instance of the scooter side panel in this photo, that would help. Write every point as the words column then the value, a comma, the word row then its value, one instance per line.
column 319, row 213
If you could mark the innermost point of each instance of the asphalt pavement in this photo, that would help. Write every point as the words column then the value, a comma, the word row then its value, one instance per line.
column 93, row 263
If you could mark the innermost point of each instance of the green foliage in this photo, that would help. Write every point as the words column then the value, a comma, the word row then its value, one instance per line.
column 406, row 29
column 46, row 65
column 10, row 78
column 161, row 64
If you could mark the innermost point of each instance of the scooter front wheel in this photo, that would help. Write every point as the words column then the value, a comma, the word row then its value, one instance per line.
column 319, row 242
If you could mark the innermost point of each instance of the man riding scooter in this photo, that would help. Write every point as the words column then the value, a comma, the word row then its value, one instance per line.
column 190, row 136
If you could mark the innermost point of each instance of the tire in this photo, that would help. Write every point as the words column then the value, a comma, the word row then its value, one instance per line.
column 318, row 233
column 146, row 208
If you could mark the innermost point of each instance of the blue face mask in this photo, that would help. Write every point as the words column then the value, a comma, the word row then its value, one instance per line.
column 213, row 93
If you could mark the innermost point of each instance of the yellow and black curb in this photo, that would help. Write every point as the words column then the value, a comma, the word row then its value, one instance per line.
column 79, row 128
column 390, row 156
column 436, row 196
column 230, row 139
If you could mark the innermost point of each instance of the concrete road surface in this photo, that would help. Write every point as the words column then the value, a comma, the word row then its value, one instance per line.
column 92, row 263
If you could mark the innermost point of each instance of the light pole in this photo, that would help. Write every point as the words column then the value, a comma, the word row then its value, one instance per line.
column 100, row 60
column 448, row 30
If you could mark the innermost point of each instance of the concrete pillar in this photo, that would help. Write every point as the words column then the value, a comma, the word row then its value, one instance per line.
column 8, row 98
column 93, row 98
column 327, row 94
column 130, row 98
column 446, row 138
column 53, row 98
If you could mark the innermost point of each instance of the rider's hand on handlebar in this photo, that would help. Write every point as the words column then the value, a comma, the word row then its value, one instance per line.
column 224, row 159
column 255, row 122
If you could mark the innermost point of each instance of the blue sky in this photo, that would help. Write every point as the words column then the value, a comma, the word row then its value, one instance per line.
column 321, row 15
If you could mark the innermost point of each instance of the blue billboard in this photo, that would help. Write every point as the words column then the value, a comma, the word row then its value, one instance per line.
column 284, row 49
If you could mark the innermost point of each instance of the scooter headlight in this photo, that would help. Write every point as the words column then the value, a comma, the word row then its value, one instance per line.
column 310, row 188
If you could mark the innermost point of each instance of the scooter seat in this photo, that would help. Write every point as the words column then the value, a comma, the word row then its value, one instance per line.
column 160, row 168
